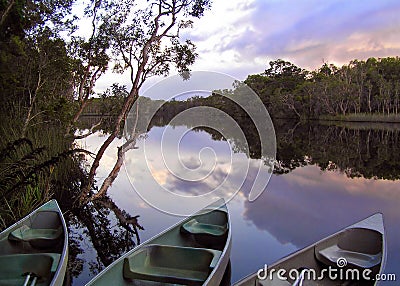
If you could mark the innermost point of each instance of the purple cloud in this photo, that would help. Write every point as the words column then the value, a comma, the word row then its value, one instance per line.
column 309, row 31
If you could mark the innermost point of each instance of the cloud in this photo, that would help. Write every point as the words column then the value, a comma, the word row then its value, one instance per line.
column 240, row 37
column 307, row 33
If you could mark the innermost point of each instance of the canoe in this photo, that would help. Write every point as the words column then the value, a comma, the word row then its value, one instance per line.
column 195, row 251
column 34, row 250
column 352, row 256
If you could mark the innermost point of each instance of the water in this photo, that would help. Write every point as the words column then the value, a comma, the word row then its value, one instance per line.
column 330, row 177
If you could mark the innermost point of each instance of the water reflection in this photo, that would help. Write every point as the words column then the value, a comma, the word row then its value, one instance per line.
column 355, row 149
column 326, row 178
column 100, row 232
column 308, row 204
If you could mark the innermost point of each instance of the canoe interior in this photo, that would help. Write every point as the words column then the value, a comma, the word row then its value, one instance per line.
column 171, row 264
column 185, row 254
column 33, row 245
column 362, row 248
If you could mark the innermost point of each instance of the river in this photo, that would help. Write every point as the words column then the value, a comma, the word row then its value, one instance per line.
column 327, row 178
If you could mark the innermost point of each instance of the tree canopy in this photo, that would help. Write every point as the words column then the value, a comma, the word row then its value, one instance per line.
column 370, row 87
column 49, row 70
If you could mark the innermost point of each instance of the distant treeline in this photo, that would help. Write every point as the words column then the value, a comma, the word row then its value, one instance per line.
column 362, row 90
column 367, row 87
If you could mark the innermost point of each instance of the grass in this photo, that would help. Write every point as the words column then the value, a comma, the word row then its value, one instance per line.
column 33, row 168
column 363, row 117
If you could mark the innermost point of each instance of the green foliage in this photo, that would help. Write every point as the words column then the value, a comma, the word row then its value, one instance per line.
column 364, row 117
column 137, row 36
column 20, row 17
column 370, row 86
column 46, row 82
column 33, row 168
column 36, row 79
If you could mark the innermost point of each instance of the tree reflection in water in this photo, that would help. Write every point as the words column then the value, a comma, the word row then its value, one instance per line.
column 110, row 231
column 359, row 150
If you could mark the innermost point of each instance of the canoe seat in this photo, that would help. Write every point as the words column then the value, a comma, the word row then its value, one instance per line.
column 56, row 260
column 42, row 230
column 25, row 233
column 195, row 227
column 330, row 256
column 14, row 266
column 171, row 264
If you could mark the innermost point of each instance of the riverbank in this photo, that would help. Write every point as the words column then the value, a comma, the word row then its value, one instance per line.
column 362, row 125
column 363, row 117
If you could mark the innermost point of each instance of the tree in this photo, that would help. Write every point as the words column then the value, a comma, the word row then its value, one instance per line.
column 139, row 42
column 285, row 90
column 359, row 70
column 34, row 65
column 308, row 90
column 91, row 57
column 47, row 76
column 27, row 17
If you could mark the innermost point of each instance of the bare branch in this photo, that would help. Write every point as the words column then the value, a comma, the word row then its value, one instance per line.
column 6, row 12
column 90, row 130
column 130, row 144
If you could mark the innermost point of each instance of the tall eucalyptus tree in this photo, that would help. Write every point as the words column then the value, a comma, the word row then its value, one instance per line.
column 145, row 41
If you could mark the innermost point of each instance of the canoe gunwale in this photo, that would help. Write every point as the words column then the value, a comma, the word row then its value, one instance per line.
column 226, row 251
column 62, row 265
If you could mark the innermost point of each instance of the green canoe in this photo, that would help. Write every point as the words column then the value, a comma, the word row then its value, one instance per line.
column 352, row 256
column 194, row 251
column 34, row 251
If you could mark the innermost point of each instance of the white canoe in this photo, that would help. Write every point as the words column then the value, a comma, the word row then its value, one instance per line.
column 194, row 251
column 352, row 256
column 34, row 250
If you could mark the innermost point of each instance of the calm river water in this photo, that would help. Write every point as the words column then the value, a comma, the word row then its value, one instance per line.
column 328, row 178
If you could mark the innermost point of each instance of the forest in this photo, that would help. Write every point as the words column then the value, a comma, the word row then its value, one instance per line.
column 358, row 91
column 361, row 90
column 48, row 72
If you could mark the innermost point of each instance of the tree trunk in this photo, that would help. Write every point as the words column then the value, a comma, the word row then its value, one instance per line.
column 130, row 144
column 130, row 100
column 32, row 99
column 76, row 117
column 6, row 12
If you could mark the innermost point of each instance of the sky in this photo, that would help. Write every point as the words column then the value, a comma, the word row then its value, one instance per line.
column 240, row 37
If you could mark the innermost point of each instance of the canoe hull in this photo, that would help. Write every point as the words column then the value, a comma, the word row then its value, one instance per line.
column 216, row 278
